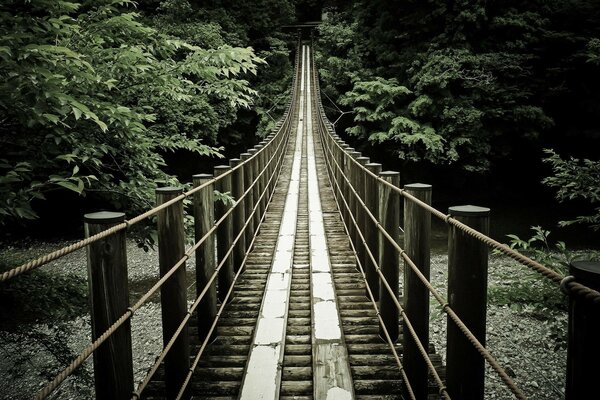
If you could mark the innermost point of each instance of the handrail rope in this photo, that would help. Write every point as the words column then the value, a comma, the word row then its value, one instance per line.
column 224, row 303
column 439, row 382
column 445, row 306
column 572, row 286
column 93, row 346
column 131, row 310
column 189, row 313
column 372, row 298
column 45, row 259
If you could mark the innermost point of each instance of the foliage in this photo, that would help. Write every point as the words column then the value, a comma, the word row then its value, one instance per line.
column 576, row 179
column 487, row 80
column 523, row 288
column 91, row 97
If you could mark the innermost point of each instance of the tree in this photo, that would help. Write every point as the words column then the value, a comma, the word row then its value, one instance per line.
column 91, row 97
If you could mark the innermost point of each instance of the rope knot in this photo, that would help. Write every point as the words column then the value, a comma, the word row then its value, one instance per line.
column 564, row 282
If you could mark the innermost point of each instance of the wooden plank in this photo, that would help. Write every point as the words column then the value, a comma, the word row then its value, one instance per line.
column 331, row 370
column 262, row 377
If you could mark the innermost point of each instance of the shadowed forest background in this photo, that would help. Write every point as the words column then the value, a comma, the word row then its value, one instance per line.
column 494, row 103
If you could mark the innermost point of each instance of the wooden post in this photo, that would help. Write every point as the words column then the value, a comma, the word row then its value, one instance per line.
column 351, row 199
column 256, row 190
column 417, row 243
column 249, row 203
column 109, row 300
column 204, row 220
column 389, row 259
column 261, row 183
column 359, row 212
column 583, row 350
column 467, row 296
column 239, row 214
column 371, row 232
column 173, row 293
column 224, row 233
column 345, row 190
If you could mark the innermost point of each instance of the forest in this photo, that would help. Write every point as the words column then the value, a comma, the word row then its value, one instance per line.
column 103, row 101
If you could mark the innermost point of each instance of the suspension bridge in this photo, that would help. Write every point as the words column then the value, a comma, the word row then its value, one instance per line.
column 297, row 292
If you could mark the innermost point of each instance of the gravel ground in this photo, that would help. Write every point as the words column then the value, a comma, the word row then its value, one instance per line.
column 35, row 353
column 528, row 341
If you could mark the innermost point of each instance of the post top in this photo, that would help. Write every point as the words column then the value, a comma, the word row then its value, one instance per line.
column 202, row 176
column 586, row 272
column 362, row 160
column 389, row 173
column 245, row 156
column 417, row 186
column 169, row 190
column 258, row 146
column 234, row 161
column 252, row 151
column 372, row 165
column 222, row 167
column 468, row 211
column 104, row 217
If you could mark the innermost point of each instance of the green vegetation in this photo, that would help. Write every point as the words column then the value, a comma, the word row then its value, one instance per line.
column 469, row 85
column 93, row 95
column 522, row 287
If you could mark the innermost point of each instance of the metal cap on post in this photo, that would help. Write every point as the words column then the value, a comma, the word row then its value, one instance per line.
column 417, row 244
column 173, row 293
column 109, row 300
column 583, row 350
column 204, row 217
column 371, row 232
column 389, row 259
column 467, row 296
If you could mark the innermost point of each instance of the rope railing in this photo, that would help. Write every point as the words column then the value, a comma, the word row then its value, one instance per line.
column 273, row 164
column 47, row 258
column 445, row 307
column 191, row 310
column 50, row 387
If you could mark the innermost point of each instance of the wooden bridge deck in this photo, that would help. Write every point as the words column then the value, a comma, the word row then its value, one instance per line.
column 372, row 367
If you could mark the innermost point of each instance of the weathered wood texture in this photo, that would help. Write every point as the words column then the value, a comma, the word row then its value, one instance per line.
column 417, row 243
column 467, row 296
column 389, row 217
column 173, row 293
column 224, row 233
column 204, row 220
column 108, row 289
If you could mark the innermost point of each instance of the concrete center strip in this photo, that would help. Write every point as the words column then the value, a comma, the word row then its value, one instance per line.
column 262, row 378
column 332, row 379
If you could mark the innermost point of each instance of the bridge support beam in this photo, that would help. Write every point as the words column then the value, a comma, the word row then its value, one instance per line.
column 173, row 293
column 109, row 299
column 224, row 233
column 417, row 243
column 584, row 330
column 204, row 217
column 389, row 259
column 467, row 296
